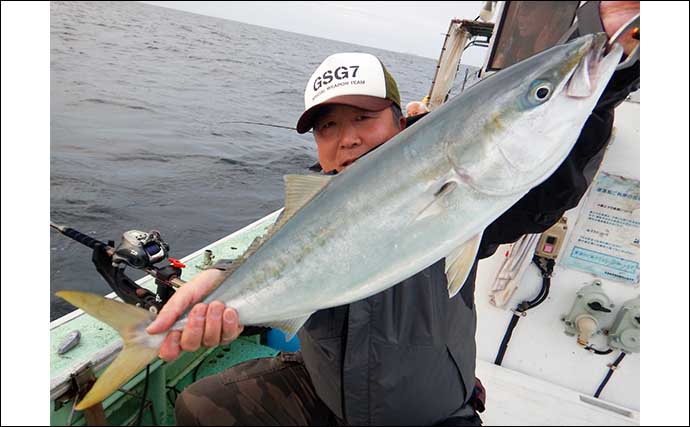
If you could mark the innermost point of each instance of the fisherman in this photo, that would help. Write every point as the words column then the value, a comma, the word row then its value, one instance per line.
column 370, row 362
column 415, row 108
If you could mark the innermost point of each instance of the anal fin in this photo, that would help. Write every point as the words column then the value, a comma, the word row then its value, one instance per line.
column 459, row 264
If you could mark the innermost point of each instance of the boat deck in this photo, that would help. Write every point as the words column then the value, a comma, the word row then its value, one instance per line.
column 517, row 399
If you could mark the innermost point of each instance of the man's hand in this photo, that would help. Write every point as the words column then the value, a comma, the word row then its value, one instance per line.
column 208, row 325
column 615, row 14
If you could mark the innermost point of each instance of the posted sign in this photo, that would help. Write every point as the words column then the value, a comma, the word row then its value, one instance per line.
column 606, row 237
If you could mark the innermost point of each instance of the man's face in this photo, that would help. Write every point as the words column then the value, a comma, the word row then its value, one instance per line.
column 343, row 134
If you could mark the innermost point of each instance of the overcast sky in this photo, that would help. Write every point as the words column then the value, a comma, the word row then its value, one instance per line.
column 411, row 27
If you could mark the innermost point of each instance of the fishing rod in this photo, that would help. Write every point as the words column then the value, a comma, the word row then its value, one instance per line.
column 261, row 124
column 139, row 250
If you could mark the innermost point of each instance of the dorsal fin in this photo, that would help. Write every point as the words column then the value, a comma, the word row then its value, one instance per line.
column 299, row 189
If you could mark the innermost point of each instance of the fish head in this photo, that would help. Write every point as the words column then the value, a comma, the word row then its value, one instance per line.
column 525, row 119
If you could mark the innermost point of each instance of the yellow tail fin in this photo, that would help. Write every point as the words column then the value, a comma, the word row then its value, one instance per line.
column 139, row 348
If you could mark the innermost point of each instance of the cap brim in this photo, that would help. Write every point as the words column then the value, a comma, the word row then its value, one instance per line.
column 365, row 102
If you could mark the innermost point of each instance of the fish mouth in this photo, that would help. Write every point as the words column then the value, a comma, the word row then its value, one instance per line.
column 584, row 80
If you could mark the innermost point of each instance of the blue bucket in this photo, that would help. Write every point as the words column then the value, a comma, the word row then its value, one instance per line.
column 275, row 338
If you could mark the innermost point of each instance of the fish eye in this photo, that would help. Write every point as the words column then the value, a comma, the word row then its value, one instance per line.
column 541, row 91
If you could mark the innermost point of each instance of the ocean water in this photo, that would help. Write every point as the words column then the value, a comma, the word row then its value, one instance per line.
column 142, row 100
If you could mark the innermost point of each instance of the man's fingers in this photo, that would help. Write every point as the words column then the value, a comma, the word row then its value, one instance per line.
column 231, row 326
column 208, row 324
column 615, row 14
column 213, row 324
column 162, row 323
column 193, row 291
column 173, row 309
column 171, row 346
column 194, row 329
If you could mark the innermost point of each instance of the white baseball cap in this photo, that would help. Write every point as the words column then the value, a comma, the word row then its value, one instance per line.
column 356, row 79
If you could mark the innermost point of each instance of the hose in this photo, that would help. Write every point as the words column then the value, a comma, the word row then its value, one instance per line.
column 506, row 338
column 612, row 368
column 546, row 268
column 595, row 351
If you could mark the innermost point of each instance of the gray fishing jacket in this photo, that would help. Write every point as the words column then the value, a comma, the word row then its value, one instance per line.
column 405, row 356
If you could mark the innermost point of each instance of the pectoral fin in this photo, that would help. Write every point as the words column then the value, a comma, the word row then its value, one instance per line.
column 459, row 264
column 438, row 204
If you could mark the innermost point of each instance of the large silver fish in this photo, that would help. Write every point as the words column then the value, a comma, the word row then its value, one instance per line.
column 426, row 194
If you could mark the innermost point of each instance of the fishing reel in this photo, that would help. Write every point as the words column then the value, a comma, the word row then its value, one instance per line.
column 138, row 250
column 142, row 250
